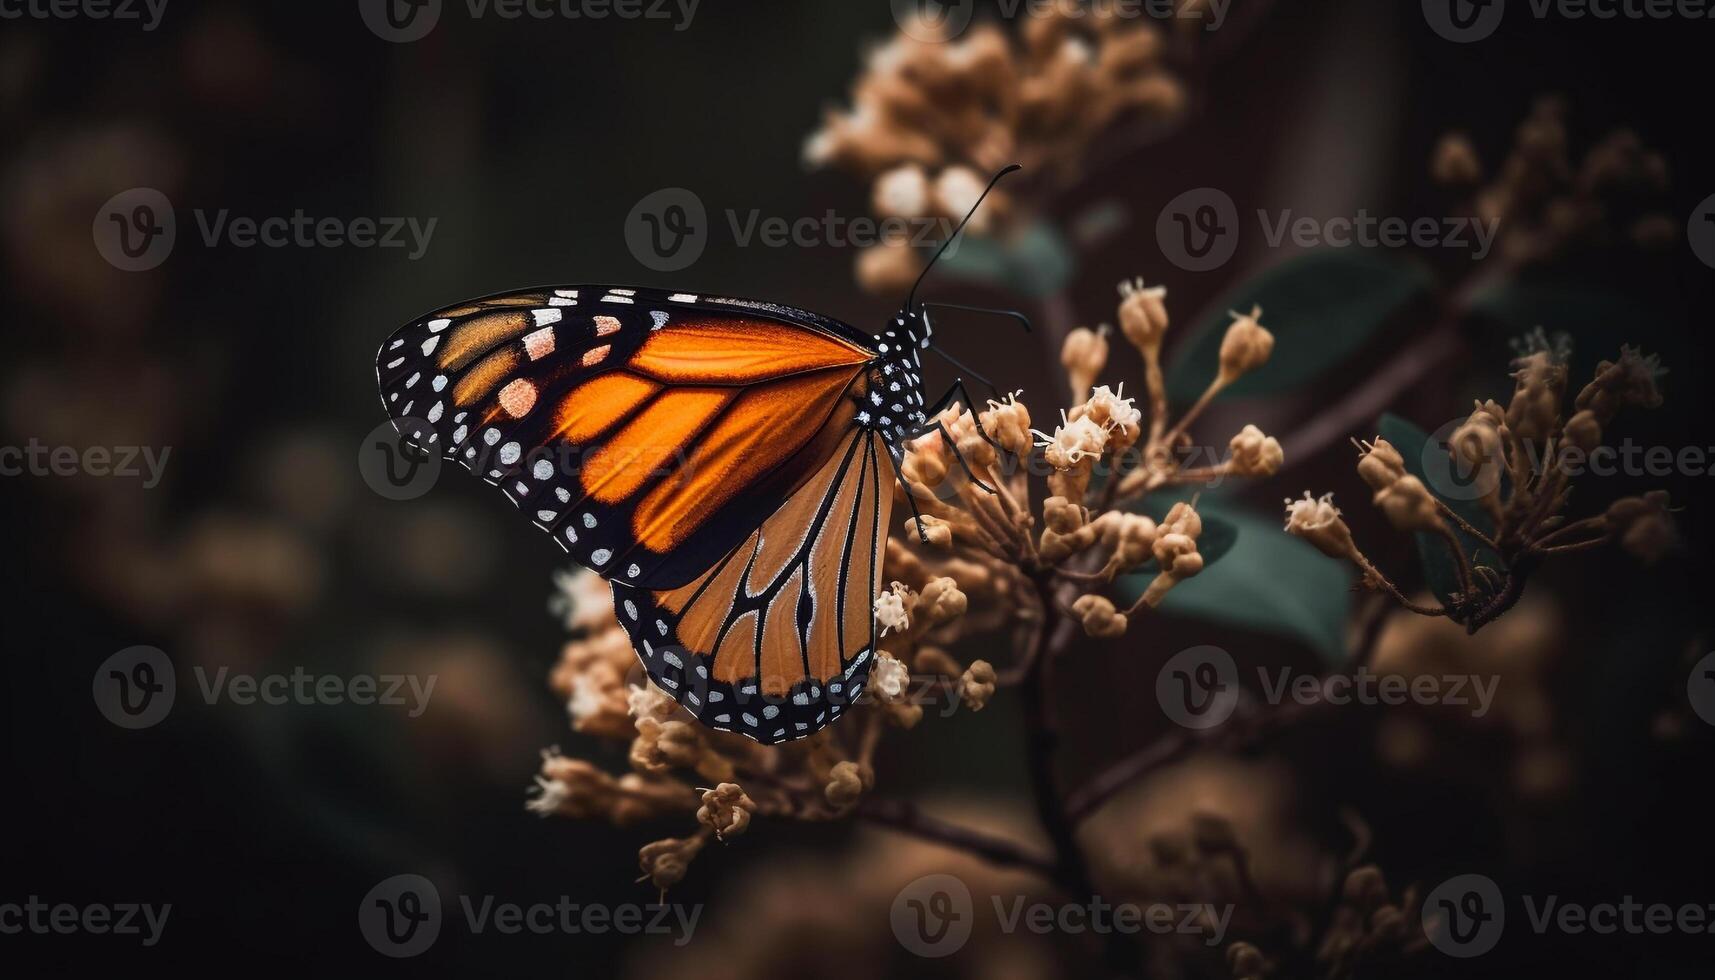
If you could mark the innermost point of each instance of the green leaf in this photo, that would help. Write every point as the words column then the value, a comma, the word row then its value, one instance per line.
column 1269, row 582
column 1440, row 571
column 1035, row 262
column 1321, row 307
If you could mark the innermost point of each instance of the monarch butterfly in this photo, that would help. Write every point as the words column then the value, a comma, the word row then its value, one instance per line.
column 727, row 464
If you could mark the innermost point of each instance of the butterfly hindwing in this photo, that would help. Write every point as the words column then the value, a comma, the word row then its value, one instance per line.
column 776, row 639
column 648, row 432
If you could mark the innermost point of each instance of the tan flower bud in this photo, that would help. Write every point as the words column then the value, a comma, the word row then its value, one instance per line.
column 1008, row 423
column 1114, row 412
column 1133, row 544
column 892, row 608
column 1099, row 617
column 726, row 810
column 1183, row 519
column 940, row 602
column 1408, row 506
column 664, row 862
column 1319, row 522
column 1380, row 464
column 938, row 531
column 887, row 268
column 1455, row 161
column 1254, row 454
column 1583, row 431
column 976, row 685
column 1072, row 442
column 846, row 783
column 957, row 189
column 1629, row 381
column 1535, row 407
column 1143, row 315
column 1246, row 346
column 1084, row 356
column 902, row 192
column 889, row 679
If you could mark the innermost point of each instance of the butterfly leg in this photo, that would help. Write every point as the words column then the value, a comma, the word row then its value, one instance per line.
column 910, row 494
column 958, row 388
column 947, row 437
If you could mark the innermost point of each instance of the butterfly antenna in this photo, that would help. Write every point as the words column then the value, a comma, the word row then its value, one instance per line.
column 911, row 297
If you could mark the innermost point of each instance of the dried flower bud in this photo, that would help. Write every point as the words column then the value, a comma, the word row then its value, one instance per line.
column 664, row 862
column 1583, row 431
column 976, row 685
column 1254, row 454
column 902, row 192
column 1246, row 346
column 1143, row 315
column 572, row 788
column 1380, row 464
column 1182, row 518
column 890, row 609
column 1133, row 541
column 938, row 532
column 651, row 702
column 957, row 189
column 726, row 810
column 926, row 460
column 1408, row 505
column 940, row 602
column 1114, row 412
column 978, row 452
column 1630, row 381
column 1084, row 356
column 846, row 783
column 1247, row 962
column 1643, row 525
column 1319, row 522
column 888, row 268
column 1008, row 423
column 1099, row 617
column 1535, row 408
column 1455, row 161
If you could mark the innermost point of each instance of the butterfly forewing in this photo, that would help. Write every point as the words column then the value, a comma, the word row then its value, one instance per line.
column 704, row 454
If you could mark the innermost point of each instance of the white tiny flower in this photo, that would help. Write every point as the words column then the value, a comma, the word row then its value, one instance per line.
column 585, row 701
column 1121, row 412
column 547, row 802
column 580, row 598
column 902, row 192
column 1072, row 441
column 649, row 701
column 889, row 678
column 890, row 609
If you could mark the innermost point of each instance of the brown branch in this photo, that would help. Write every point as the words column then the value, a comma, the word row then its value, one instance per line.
column 904, row 816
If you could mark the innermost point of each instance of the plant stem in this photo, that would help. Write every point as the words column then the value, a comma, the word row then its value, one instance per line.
column 904, row 816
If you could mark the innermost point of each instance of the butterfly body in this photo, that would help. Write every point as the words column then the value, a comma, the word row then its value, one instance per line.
column 727, row 464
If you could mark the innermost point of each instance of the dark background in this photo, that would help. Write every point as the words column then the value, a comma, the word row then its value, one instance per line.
column 530, row 141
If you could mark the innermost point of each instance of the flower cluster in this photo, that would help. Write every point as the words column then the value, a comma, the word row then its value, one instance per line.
column 931, row 120
column 1519, row 462
column 1546, row 204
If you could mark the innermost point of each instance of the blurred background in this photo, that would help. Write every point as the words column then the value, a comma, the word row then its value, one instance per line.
column 258, row 547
